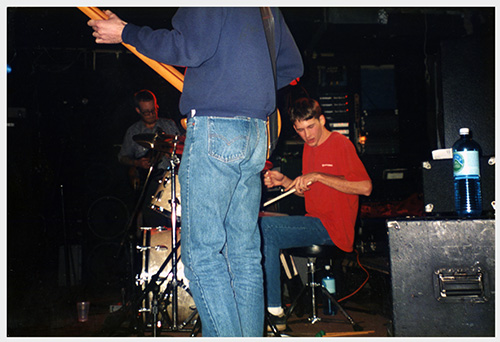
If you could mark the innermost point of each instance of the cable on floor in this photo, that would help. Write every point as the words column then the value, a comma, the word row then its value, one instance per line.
column 363, row 284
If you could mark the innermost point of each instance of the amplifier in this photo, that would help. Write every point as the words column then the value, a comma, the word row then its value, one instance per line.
column 443, row 277
column 438, row 188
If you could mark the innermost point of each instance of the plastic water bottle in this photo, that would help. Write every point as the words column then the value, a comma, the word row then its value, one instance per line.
column 467, row 177
column 329, row 283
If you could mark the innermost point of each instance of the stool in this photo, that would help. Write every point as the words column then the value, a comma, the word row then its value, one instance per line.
column 312, row 253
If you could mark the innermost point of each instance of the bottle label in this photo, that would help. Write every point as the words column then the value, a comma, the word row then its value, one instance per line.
column 329, row 284
column 466, row 163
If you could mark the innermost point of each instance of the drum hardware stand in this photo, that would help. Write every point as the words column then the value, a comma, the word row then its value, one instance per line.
column 129, row 237
column 156, row 157
column 169, row 288
column 174, row 283
column 130, row 234
column 130, row 309
column 154, row 286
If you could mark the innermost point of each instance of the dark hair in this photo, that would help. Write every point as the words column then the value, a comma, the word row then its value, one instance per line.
column 144, row 95
column 304, row 108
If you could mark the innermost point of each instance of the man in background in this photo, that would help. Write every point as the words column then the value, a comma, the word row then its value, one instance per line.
column 140, row 158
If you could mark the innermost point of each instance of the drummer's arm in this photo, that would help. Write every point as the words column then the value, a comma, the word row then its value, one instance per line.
column 141, row 162
column 127, row 161
column 133, row 172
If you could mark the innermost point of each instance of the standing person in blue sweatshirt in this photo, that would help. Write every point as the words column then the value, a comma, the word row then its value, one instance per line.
column 228, row 93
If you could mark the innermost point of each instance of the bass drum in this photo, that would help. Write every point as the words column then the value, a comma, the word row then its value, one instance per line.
column 161, row 201
column 155, row 249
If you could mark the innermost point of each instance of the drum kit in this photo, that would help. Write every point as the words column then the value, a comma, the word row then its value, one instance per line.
column 160, row 305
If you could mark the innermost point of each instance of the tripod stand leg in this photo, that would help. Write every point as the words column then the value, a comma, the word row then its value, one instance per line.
column 187, row 311
column 273, row 327
column 196, row 328
column 294, row 304
column 154, row 311
column 189, row 319
column 195, row 310
column 355, row 326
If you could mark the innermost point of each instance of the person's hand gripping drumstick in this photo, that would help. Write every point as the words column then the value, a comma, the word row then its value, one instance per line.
column 276, row 178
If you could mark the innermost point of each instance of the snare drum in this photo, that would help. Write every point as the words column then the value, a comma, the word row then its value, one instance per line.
column 155, row 249
column 161, row 201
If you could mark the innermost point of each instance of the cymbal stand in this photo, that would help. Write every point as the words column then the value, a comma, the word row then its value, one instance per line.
column 173, row 216
column 174, row 283
column 174, row 160
column 113, row 322
column 130, row 309
column 156, row 157
column 154, row 285
column 130, row 230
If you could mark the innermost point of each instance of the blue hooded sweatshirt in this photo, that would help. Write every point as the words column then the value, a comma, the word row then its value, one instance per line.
column 229, row 71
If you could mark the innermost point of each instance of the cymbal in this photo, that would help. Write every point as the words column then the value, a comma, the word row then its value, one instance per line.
column 161, row 142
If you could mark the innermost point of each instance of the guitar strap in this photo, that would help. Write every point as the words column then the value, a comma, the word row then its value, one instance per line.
column 273, row 125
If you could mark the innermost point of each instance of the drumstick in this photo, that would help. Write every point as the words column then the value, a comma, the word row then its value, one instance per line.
column 348, row 333
column 289, row 192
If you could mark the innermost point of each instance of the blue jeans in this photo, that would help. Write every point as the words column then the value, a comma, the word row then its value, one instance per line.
column 281, row 232
column 220, row 178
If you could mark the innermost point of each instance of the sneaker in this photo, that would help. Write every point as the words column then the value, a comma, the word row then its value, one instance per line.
column 278, row 321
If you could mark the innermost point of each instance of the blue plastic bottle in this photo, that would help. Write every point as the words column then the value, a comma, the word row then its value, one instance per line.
column 467, row 177
column 329, row 283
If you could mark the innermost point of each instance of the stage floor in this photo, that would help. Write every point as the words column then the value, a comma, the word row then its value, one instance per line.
column 45, row 311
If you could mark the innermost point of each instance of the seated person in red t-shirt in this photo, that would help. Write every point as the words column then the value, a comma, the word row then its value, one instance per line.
column 332, row 179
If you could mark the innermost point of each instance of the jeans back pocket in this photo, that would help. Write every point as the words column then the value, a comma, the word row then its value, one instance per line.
column 228, row 138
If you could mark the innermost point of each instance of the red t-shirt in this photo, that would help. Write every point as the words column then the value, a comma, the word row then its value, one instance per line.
column 336, row 210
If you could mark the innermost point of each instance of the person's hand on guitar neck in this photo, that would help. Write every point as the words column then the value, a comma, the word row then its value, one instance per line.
column 107, row 31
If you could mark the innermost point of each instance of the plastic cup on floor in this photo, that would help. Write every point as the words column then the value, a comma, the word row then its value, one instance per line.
column 83, row 311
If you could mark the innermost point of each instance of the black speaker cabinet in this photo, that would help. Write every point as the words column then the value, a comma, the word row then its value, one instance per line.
column 438, row 188
column 468, row 85
column 443, row 277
